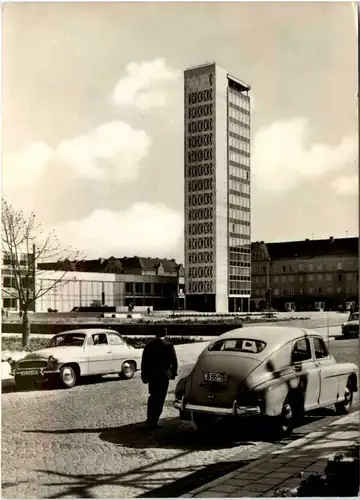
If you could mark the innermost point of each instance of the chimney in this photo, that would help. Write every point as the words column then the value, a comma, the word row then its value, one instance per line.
column 332, row 239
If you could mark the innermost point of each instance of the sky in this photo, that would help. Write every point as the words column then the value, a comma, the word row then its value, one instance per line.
column 93, row 117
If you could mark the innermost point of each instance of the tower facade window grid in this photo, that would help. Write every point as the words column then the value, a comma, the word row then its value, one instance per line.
column 217, row 189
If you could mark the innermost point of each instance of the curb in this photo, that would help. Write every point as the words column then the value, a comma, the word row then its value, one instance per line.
column 295, row 444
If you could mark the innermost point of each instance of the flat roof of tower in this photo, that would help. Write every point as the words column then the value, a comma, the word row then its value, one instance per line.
column 242, row 84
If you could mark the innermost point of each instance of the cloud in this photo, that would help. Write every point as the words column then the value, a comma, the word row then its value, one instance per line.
column 144, row 85
column 282, row 159
column 26, row 166
column 144, row 229
column 346, row 185
column 111, row 152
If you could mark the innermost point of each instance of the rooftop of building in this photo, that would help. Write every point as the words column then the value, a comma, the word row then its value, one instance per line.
column 119, row 265
column 242, row 86
column 309, row 248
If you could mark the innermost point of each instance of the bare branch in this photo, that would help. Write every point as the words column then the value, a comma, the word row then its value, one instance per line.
column 18, row 235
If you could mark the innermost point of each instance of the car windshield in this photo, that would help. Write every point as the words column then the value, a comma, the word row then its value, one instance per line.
column 354, row 316
column 68, row 339
column 238, row 345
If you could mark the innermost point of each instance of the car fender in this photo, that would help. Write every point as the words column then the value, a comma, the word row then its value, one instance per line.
column 275, row 391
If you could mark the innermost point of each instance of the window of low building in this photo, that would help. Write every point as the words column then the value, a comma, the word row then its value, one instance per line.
column 129, row 288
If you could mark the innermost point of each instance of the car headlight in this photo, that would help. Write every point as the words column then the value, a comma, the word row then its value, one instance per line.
column 12, row 364
column 52, row 362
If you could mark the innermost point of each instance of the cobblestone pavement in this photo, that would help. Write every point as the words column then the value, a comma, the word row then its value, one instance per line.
column 90, row 441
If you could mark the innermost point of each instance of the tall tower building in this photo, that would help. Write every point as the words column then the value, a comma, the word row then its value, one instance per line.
column 217, row 190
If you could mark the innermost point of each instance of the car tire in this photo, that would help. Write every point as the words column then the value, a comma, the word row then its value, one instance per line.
column 68, row 376
column 344, row 407
column 284, row 423
column 204, row 422
column 128, row 370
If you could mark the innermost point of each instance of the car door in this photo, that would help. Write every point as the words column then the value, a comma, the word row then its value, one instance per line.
column 100, row 355
column 328, row 372
column 121, row 350
column 306, row 372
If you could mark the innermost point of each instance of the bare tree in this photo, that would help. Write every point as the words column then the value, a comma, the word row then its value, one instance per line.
column 24, row 246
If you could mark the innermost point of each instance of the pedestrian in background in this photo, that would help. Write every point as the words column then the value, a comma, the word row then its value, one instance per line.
column 158, row 365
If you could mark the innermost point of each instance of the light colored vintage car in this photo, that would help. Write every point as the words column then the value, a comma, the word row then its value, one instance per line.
column 77, row 353
column 272, row 371
column 351, row 327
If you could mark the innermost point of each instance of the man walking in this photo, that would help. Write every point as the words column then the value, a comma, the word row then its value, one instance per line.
column 158, row 365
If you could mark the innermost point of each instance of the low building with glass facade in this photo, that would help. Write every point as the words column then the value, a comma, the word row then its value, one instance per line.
column 115, row 282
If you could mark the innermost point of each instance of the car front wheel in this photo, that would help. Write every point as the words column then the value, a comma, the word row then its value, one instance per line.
column 344, row 407
column 128, row 370
column 68, row 376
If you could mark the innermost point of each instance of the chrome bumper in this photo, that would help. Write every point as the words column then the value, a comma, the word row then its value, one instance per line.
column 41, row 372
column 234, row 411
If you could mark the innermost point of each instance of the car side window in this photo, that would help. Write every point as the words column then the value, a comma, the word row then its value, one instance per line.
column 320, row 348
column 115, row 339
column 100, row 339
column 301, row 351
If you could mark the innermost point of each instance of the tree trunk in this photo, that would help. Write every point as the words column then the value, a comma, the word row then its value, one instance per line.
column 25, row 329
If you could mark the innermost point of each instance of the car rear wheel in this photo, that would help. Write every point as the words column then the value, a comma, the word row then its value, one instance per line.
column 68, row 376
column 344, row 407
column 128, row 370
column 283, row 424
column 203, row 422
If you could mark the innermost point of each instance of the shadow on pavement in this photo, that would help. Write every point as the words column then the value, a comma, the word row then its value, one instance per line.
column 195, row 479
column 173, row 434
column 180, row 435
column 148, row 479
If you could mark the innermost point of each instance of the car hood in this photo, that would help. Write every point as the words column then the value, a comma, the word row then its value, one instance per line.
column 56, row 352
column 238, row 368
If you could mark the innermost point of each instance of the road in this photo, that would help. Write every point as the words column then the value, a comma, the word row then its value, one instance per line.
column 90, row 442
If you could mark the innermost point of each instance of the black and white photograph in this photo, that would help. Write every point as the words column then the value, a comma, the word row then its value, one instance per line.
column 180, row 249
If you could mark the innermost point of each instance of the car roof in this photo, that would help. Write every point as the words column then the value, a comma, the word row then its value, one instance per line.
column 89, row 331
column 274, row 336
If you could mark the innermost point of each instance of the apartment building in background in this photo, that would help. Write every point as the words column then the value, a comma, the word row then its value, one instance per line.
column 10, row 299
column 217, row 131
column 305, row 275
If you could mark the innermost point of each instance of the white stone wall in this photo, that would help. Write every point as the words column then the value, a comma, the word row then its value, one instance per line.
column 221, row 207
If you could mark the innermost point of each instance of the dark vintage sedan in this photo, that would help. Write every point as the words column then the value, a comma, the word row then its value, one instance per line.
column 270, row 371
column 351, row 327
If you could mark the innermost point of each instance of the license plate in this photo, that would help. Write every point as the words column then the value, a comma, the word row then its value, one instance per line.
column 220, row 378
column 29, row 373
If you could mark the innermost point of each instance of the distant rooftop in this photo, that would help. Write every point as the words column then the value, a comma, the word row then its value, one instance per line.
column 118, row 265
column 310, row 248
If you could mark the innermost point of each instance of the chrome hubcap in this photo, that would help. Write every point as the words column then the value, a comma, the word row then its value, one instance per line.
column 287, row 414
column 347, row 396
column 68, row 376
column 127, row 369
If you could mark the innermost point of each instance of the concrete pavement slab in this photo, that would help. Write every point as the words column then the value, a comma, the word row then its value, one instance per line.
column 280, row 469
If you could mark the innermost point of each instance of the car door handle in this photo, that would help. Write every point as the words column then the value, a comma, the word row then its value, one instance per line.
column 297, row 368
column 109, row 352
